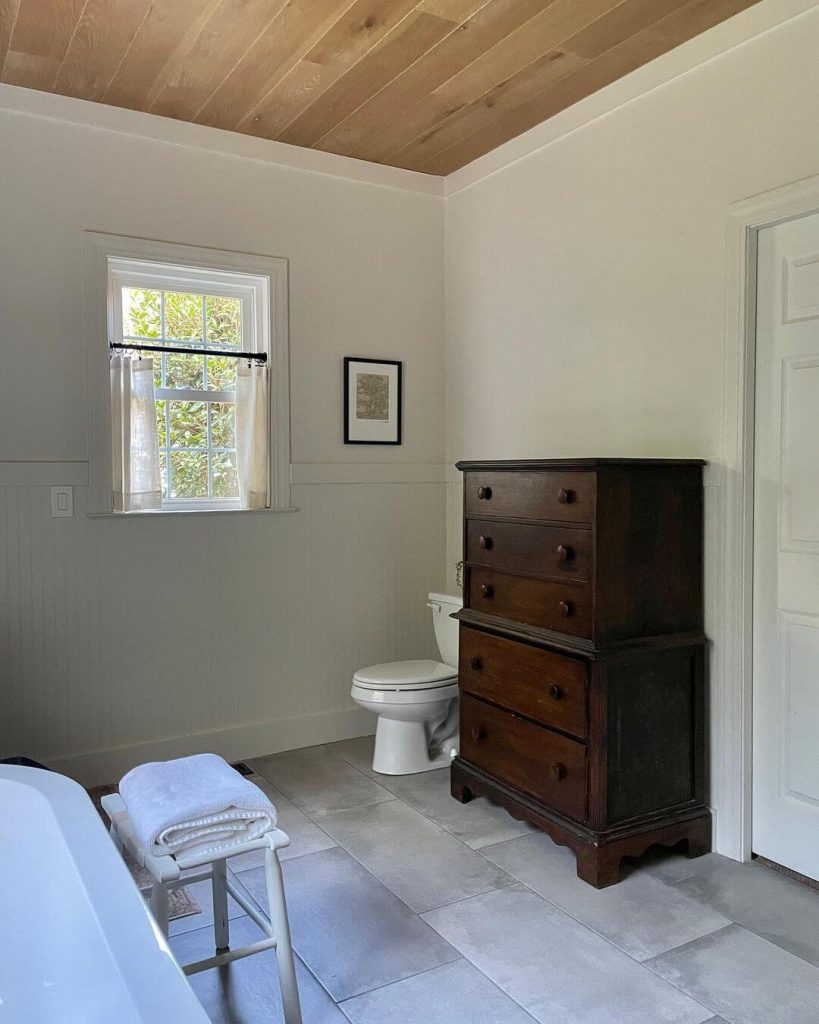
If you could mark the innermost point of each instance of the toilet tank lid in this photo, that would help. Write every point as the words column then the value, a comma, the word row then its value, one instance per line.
column 406, row 673
column 456, row 600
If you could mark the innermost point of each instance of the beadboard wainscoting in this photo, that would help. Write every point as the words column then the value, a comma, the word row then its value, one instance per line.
column 239, row 633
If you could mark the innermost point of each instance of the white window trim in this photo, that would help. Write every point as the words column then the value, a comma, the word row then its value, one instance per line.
column 98, row 250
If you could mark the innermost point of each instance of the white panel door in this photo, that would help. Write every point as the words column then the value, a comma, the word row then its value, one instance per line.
column 786, row 548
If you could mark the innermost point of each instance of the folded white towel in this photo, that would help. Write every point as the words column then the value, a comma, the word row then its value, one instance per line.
column 194, row 804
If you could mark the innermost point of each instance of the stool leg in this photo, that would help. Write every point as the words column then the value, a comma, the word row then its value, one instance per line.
column 159, row 906
column 281, row 931
column 221, row 925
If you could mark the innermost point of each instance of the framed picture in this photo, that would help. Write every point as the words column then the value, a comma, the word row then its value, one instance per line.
column 372, row 401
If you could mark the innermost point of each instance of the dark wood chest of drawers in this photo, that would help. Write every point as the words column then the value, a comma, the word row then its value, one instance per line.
column 582, row 654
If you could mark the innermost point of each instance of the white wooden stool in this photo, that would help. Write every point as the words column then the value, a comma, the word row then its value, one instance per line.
column 167, row 874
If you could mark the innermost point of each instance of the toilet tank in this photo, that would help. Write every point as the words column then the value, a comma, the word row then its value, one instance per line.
column 446, row 628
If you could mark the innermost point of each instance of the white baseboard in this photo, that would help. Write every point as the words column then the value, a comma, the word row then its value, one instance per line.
column 98, row 767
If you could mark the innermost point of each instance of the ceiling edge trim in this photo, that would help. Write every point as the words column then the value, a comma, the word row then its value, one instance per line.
column 20, row 101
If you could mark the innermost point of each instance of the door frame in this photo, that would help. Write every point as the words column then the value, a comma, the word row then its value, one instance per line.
column 732, row 778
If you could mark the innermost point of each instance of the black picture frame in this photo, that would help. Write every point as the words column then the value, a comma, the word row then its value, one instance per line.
column 349, row 364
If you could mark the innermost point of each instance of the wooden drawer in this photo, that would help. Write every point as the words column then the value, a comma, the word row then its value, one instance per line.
column 557, row 551
column 539, row 684
column 528, row 757
column 564, row 607
column 561, row 497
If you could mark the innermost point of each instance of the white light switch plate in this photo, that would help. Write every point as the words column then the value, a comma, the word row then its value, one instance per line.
column 62, row 501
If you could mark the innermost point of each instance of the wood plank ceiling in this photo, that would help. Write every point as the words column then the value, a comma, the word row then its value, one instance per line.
column 427, row 85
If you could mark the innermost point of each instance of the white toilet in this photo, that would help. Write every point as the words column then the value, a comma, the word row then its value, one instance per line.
column 416, row 701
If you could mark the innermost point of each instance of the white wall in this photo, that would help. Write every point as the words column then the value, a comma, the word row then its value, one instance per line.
column 586, row 282
column 121, row 640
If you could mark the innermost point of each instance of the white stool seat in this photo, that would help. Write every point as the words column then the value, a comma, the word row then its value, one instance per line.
column 166, row 873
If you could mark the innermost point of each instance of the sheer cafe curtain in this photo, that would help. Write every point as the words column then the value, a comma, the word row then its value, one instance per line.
column 134, row 441
column 252, row 435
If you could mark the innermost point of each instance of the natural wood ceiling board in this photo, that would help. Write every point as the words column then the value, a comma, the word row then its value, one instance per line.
column 222, row 42
column 101, row 39
column 42, row 32
column 634, row 52
column 483, row 112
column 453, row 10
column 376, row 118
column 548, row 31
column 166, row 32
column 553, row 23
column 404, row 45
column 620, row 24
column 356, row 33
column 274, row 54
column 8, row 17
column 539, row 107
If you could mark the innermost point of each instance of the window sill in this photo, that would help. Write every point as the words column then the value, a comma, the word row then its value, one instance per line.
column 160, row 513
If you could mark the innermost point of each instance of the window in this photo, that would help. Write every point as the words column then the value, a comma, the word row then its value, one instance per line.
column 193, row 319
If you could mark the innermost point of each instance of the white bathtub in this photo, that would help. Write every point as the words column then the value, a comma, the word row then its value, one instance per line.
column 77, row 943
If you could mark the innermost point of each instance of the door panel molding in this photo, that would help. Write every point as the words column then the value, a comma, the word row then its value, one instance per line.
column 795, row 488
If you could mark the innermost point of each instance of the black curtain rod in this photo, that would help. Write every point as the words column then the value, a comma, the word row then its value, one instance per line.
column 260, row 357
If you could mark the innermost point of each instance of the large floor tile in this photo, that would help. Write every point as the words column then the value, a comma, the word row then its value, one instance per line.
column 560, row 971
column 640, row 915
column 477, row 823
column 774, row 906
column 744, row 978
column 412, row 856
column 350, row 930
column 358, row 752
column 247, row 991
column 456, row 993
column 305, row 835
column 317, row 781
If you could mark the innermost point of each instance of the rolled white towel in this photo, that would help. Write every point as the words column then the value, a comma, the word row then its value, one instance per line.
column 195, row 805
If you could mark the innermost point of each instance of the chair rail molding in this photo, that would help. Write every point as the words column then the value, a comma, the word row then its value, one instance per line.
column 732, row 774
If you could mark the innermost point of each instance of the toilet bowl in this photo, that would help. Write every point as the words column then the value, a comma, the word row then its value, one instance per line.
column 416, row 701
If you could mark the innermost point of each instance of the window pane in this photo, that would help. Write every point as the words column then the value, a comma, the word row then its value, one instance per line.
column 189, row 476
column 224, row 478
column 222, row 425
column 221, row 373
column 163, row 470
column 141, row 313
column 224, row 320
column 185, row 371
column 157, row 358
column 183, row 316
column 189, row 425
column 160, row 424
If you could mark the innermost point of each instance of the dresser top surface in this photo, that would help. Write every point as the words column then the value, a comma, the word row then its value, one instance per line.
column 512, row 465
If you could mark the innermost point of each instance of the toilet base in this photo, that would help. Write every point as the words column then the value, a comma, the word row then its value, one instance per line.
column 402, row 748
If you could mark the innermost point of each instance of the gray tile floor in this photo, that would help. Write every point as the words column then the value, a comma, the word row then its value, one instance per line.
column 407, row 907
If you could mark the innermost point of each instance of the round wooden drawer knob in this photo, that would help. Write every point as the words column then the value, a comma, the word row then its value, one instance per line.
column 566, row 608
column 478, row 733
column 487, row 590
column 475, row 663
column 559, row 771
column 485, row 543
column 555, row 692
column 565, row 497
column 564, row 553
column 484, row 493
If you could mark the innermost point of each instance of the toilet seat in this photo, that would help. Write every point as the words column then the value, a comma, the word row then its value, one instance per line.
column 406, row 676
